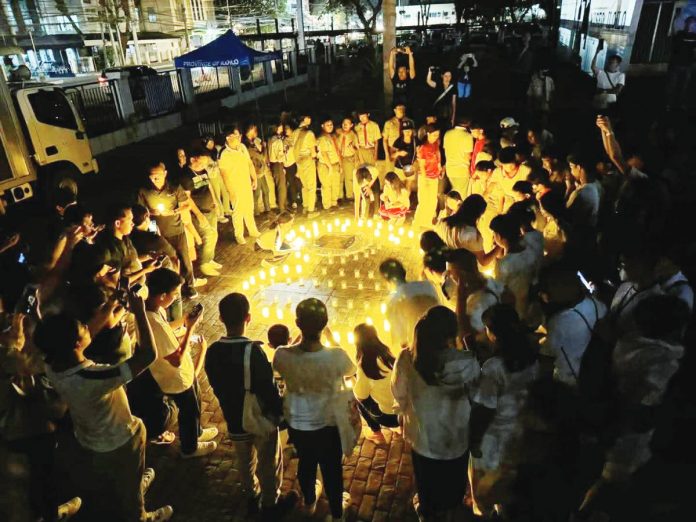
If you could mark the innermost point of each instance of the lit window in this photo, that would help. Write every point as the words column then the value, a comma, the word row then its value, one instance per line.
column 151, row 15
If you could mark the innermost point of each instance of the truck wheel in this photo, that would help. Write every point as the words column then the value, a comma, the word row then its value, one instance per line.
column 60, row 178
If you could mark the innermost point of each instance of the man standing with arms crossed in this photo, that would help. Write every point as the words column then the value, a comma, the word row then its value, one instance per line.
column 459, row 144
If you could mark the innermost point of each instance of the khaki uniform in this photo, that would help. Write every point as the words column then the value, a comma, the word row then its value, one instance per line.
column 390, row 133
column 237, row 169
column 305, row 148
column 458, row 144
column 368, row 136
column 329, row 168
column 347, row 142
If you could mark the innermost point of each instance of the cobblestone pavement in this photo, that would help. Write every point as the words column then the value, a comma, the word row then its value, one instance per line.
column 379, row 479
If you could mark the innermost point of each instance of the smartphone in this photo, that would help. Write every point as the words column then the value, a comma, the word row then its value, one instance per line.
column 28, row 303
column 196, row 339
column 197, row 310
column 21, row 259
column 152, row 227
column 590, row 287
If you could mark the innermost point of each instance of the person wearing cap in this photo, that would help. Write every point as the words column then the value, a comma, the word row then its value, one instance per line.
column 508, row 131
column 509, row 172
column 305, row 148
column 329, row 165
column 239, row 176
column 368, row 136
column 404, row 154
column 392, row 131
column 347, row 148
column 458, row 144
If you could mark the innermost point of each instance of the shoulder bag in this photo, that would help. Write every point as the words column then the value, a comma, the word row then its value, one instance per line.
column 253, row 419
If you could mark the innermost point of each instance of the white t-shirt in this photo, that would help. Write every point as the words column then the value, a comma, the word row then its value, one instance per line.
column 478, row 302
column 678, row 286
column 603, row 82
column 624, row 303
column 517, row 271
column 98, row 404
column 584, row 202
column 406, row 306
column 311, row 380
column 568, row 335
column 169, row 378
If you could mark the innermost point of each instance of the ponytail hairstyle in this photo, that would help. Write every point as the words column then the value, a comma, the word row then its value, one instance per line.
column 433, row 334
column 512, row 341
column 281, row 219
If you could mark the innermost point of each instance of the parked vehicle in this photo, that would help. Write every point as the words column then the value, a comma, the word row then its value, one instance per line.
column 43, row 141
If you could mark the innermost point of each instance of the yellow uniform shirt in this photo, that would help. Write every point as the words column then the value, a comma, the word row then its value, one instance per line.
column 328, row 147
column 368, row 135
column 459, row 145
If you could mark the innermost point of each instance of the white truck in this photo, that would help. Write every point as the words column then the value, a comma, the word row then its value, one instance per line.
column 43, row 143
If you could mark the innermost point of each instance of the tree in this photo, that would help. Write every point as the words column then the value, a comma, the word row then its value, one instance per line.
column 366, row 11
column 389, row 18
column 462, row 8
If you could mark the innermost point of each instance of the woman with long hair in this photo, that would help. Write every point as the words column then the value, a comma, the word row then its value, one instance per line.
column 372, row 387
column 274, row 239
column 395, row 199
column 431, row 384
column 499, row 398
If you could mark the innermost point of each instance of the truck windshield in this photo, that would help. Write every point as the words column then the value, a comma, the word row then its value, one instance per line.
column 52, row 108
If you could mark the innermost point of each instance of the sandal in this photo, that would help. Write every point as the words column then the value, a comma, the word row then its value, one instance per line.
column 164, row 439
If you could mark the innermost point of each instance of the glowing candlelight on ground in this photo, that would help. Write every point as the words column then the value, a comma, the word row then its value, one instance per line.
column 298, row 269
column 330, row 283
column 378, row 286
column 350, row 304
column 342, row 272
column 286, row 269
column 368, row 320
column 386, row 325
column 376, row 233
column 305, row 258
column 401, row 231
column 391, row 227
column 337, row 222
column 379, row 226
column 344, row 285
column 331, row 260
column 323, row 271
column 265, row 312
column 371, row 274
column 245, row 285
column 262, row 275
column 369, row 223
column 252, row 280
column 351, row 338
column 343, row 260
column 383, row 308
column 337, row 337
column 329, row 228
column 360, row 223
column 361, row 287
column 356, row 273
column 272, row 271
column 302, row 228
column 279, row 314
column 397, row 241
column 410, row 234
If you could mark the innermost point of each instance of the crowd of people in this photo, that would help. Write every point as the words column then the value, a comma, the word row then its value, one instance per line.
column 527, row 364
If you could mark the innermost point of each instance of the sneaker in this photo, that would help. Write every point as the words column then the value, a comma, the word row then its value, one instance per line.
column 204, row 448
column 208, row 434
column 200, row 281
column 346, row 500
column 69, row 508
column 240, row 241
column 283, row 506
column 146, row 481
column 376, row 437
column 215, row 264
column 309, row 509
column 159, row 515
column 209, row 270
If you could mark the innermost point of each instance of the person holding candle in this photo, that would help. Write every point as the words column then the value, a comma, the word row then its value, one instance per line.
column 372, row 387
column 395, row 199
column 312, row 373
column 274, row 239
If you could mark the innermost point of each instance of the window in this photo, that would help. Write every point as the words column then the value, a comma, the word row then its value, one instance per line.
column 52, row 108
column 151, row 15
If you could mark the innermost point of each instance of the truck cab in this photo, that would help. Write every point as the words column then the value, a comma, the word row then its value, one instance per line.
column 44, row 143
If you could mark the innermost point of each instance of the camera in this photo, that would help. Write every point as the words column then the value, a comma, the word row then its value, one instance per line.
column 434, row 69
column 121, row 293
column 28, row 303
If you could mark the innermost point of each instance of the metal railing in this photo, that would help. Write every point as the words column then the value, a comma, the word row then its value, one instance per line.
column 98, row 105
column 282, row 68
column 211, row 82
column 156, row 95
column 302, row 62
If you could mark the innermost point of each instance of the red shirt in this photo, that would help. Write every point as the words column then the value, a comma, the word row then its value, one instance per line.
column 430, row 153
column 478, row 147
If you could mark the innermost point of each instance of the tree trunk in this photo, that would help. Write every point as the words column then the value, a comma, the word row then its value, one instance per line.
column 389, row 42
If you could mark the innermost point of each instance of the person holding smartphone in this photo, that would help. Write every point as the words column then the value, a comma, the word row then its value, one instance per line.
column 610, row 79
column 175, row 370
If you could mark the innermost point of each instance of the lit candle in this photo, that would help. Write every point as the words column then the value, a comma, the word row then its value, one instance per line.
column 160, row 207
column 378, row 286
column 342, row 272
column 265, row 312
column 350, row 304
column 351, row 338
column 356, row 273
column 383, row 308
column 331, row 260
column 279, row 314
column 379, row 226
column 343, row 260
column 330, row 283
column 369, row 223
column 272, row 271
column 369, row 321
column 298, row 255
column 386, row 325
column 344, row 285
column 286, row 269
column 360, row 287
column 337, row 337
column 397, row 241
column 262, row 275
column 252, row 280
column 371, row 274
column 308, row 234
column 410, row 234
column 401, row 231
column 323, row 271
column 245, row 285
column 360, row 223
column 356, row 257
column 305, row 258
column 337, row 222
column 298, row 269
column 329, row 228
column 376, row 233
column 391, row 227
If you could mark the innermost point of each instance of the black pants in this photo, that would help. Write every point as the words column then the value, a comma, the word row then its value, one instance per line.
column 294, row 185
column 281, row 185
column 189, row 405
column 374, row 417
column 320, row 447
column 40, row 453
column 441, row 484
column 147, row 401
column 178, row 241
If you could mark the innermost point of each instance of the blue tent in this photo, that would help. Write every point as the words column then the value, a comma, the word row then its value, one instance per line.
column 226, row 50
